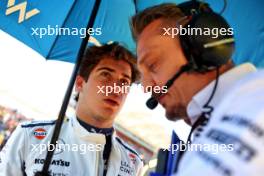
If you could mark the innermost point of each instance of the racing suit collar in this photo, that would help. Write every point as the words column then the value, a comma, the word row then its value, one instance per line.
column 226, row 80
column 93, row 129
column 83, row 134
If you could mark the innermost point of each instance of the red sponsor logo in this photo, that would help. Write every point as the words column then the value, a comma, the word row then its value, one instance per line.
column 132, row 158
column 40, row 133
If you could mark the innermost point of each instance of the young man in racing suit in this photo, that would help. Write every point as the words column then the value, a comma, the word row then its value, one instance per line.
column 87, row 144
column 236, row 124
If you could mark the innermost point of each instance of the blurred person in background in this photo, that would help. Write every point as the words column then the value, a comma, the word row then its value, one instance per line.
column 9, row 119
column 2, row 128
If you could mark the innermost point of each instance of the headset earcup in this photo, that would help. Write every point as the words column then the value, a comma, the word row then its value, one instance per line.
column 213, row 56
column 219, row 54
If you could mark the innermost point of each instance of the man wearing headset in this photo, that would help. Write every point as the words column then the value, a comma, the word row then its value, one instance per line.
column 87, row 143
column 206, row 86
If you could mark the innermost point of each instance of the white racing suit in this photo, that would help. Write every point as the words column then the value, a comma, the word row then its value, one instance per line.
column 232, row 143
column 78, row 152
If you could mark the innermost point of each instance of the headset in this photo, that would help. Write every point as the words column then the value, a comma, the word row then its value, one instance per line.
column 203, row 52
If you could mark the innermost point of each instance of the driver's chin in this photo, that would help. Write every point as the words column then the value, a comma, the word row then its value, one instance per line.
column 103, row 117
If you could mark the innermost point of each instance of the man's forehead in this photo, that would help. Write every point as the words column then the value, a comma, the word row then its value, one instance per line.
column 147, row 40
column 115, row 65
column 154, row 28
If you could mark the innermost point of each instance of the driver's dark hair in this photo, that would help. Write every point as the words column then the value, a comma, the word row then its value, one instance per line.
column 94, row 54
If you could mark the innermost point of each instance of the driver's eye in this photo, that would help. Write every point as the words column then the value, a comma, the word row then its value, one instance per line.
column 105, row 74
column 125, row 82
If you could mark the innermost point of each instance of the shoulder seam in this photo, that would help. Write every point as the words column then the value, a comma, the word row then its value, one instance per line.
column 39, row 124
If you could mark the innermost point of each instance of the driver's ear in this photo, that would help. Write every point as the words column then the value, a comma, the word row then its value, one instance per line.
column 79, row 83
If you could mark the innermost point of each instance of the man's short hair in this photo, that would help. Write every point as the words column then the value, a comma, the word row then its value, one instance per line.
column 94, row 54
column 166, row 11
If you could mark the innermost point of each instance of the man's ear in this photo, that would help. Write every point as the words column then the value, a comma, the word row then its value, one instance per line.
column 79, row 83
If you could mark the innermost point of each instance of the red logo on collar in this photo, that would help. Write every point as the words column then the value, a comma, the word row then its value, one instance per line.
column 40, row 133
column 132, row 158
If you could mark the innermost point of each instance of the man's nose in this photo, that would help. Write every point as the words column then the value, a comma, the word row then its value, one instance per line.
column 147, row 83
column 118, row 87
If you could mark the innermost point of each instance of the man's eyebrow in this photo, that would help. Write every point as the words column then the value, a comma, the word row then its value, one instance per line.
column 149, row 53
column 106, row 68
column 112, row 70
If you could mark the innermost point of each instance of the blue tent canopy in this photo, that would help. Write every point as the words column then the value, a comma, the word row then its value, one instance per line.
column 21, row 19
column 246, row 17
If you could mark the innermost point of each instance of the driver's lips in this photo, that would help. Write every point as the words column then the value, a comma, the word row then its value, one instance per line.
column 112, row 102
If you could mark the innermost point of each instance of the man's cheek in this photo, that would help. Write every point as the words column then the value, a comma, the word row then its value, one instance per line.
column 101, row 88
